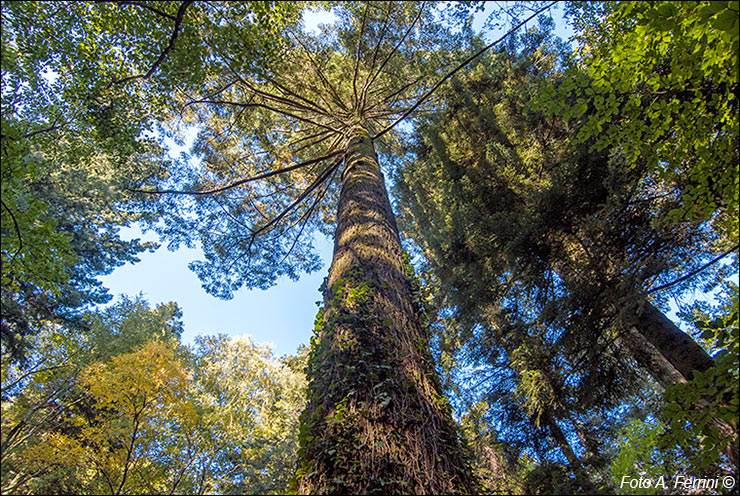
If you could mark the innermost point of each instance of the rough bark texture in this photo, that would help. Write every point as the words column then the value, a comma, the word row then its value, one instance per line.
column 377, row 421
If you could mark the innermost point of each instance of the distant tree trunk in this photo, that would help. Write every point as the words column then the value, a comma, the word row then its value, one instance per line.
column 500, row 476
column 676, row 346
column 376, row 420
column 575, row 463
column 649, row 358
column 666, row 375
column 659, row 346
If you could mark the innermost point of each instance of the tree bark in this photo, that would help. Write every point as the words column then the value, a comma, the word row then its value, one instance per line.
column 678, row 348
column 376, row 421
column 649, row 358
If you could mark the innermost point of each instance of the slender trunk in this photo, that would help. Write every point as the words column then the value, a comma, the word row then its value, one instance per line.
column 500, row 476
column 376, row 420
column 648, row 357
column 591, row 445
column 575, row 463
column 678, row 348
column 593, row 457
column 563, row 444
column 668, row 354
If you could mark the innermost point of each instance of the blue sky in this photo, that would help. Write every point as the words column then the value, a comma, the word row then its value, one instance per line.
column 281, row 316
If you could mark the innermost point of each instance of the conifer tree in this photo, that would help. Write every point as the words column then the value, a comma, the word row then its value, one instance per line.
column 292, row 146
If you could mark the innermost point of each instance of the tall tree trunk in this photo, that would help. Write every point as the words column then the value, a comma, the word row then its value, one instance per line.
column 376, row 421
column 659, row 346
column 678, row 348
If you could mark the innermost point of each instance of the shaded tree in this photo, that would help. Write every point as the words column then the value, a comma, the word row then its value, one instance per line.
column 509, row 214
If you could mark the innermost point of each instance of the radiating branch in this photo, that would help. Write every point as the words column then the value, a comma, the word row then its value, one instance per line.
column 307, row 215
column 318, row 181
column 320, row 73
column 370, row 80
column 240, row 181
column 277, row 98
column 311, row 103
column 267, row 107
column 357, row 56
column 694, row 272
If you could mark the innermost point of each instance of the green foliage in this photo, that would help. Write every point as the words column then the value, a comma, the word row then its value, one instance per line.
column 43, row 396
column 86, row 89
column 489, row 197
column 249, row 404
column 660, row 82
column 715, row 391
column 551, row 478
column 124, row 409
column 639, row 456
column 525, row 176
column 536, row 238
column 70, row 146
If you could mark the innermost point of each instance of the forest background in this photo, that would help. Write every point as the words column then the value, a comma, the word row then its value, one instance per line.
column 553, row 199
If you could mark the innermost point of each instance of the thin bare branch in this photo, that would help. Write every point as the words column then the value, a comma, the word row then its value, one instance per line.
column 357, row 55
column 320, row 73
column 311, row 103
column 264, row 106
column 319, row 180
column 276, row 98
column 383, row 30
column 307, row 215
column 240, row 181
column 397, row 92
column 56, row 125
column 17, row 230
column 370, row 80
column 694, row 272
column 272, row 223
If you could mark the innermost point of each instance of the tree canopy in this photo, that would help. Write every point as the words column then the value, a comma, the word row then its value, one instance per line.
column 502, row 321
